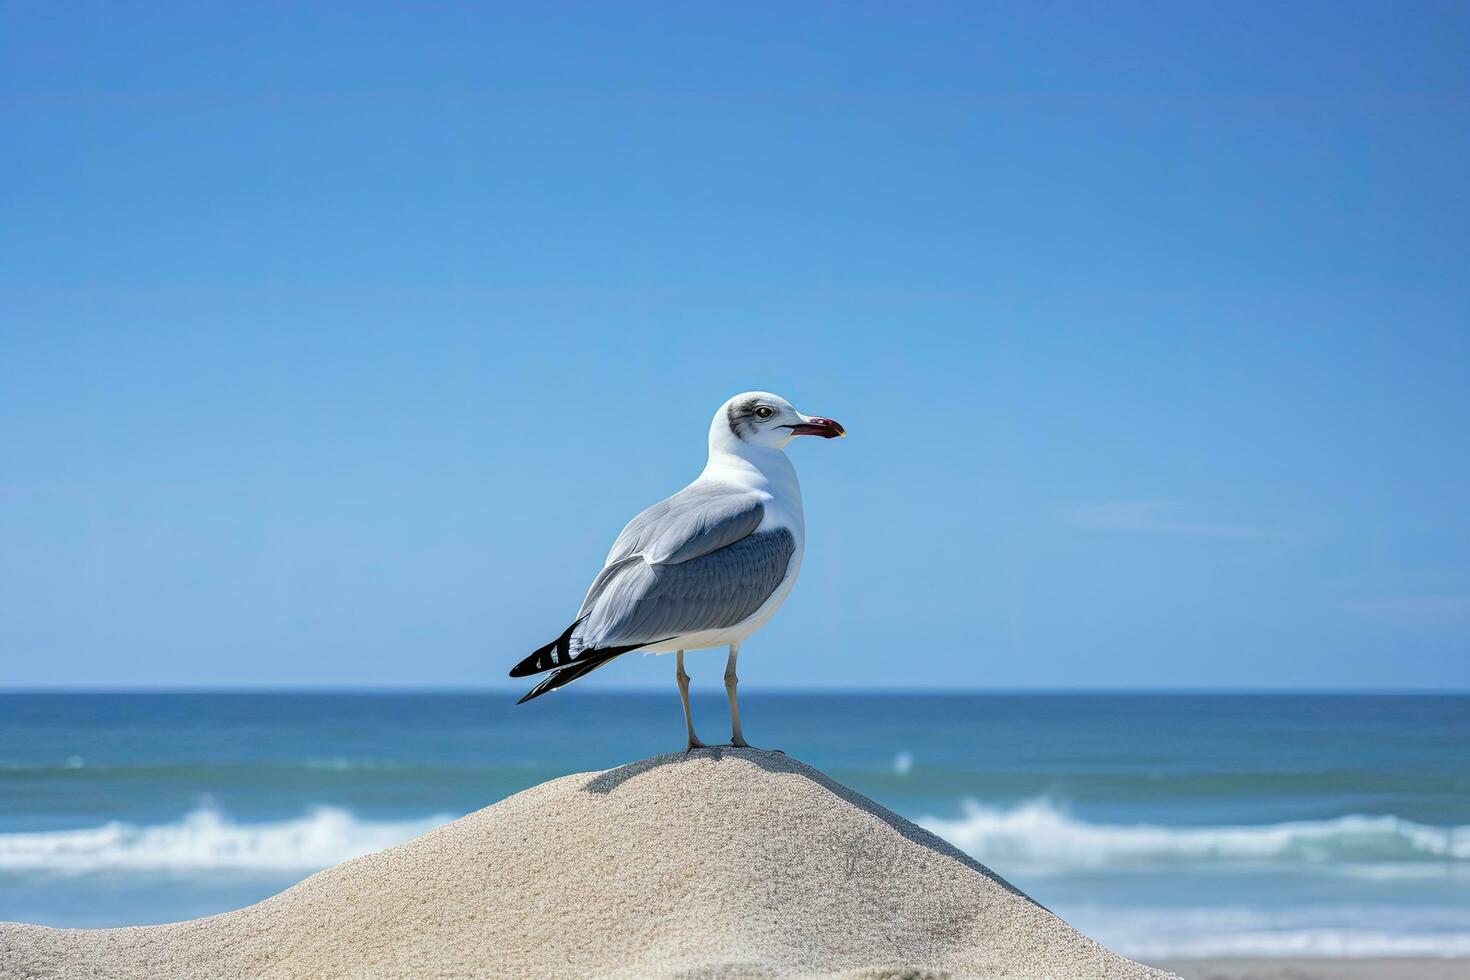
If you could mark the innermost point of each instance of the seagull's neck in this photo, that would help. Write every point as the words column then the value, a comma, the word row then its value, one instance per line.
column 733, row 460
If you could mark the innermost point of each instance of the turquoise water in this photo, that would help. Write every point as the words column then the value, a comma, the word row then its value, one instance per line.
column 1161, row 824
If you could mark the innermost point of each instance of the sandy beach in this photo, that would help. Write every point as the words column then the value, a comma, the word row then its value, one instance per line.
column 720, row 863
column 1303, row 968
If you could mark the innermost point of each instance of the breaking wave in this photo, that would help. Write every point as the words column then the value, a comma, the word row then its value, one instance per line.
column 1346, row 930
column 1037, row 835
column 206, row 839
column 1303, row 942
column 1034, row 836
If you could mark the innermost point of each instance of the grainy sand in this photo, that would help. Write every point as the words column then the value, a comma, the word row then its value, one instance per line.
column 722, row 863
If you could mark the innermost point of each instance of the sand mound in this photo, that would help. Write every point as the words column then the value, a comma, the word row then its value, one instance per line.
column 721, row 863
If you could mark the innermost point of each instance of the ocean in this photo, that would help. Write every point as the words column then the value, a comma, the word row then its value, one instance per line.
column 1160, row 824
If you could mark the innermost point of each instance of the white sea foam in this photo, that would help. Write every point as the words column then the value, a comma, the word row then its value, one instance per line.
column 206, row 839
column 1156, row 933
column 1304, row 942
column 1038, row 836
column 1035, row 836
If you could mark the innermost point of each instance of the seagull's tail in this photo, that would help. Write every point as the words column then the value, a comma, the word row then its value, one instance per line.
column 589, row 661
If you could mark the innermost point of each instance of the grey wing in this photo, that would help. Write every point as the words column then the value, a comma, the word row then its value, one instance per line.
column 701, row 518
column 634, row 603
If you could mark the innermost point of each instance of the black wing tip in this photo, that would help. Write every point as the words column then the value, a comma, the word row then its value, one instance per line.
column 561, row 678
column 538, row 663
column 524, row 668
column 589, row 661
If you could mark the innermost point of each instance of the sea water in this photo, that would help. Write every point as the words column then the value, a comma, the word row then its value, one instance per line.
column 1159, row 824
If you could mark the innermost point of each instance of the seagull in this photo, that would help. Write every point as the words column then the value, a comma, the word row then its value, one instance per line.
column 705, row 568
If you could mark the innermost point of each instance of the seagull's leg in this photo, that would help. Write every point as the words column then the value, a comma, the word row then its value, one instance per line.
column 736, row 738
column 683, row 679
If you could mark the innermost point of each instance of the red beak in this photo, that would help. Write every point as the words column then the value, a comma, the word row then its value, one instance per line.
column 826, row 428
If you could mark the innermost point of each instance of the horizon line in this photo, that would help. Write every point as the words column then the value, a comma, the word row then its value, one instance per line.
column 511, row 691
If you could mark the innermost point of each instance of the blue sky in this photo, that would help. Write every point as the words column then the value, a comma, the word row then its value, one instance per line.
column 337, row 342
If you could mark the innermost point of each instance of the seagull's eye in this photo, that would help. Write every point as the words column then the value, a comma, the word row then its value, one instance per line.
column 764, row 411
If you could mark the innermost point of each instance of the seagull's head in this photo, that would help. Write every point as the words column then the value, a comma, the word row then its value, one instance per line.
column 759, row 418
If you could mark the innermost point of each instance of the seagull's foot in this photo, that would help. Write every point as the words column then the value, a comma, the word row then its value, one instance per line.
column 740, row 743
column 694, row 743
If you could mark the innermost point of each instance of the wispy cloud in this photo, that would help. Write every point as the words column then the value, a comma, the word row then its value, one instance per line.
column 1420, row 607
column 1154, row 517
